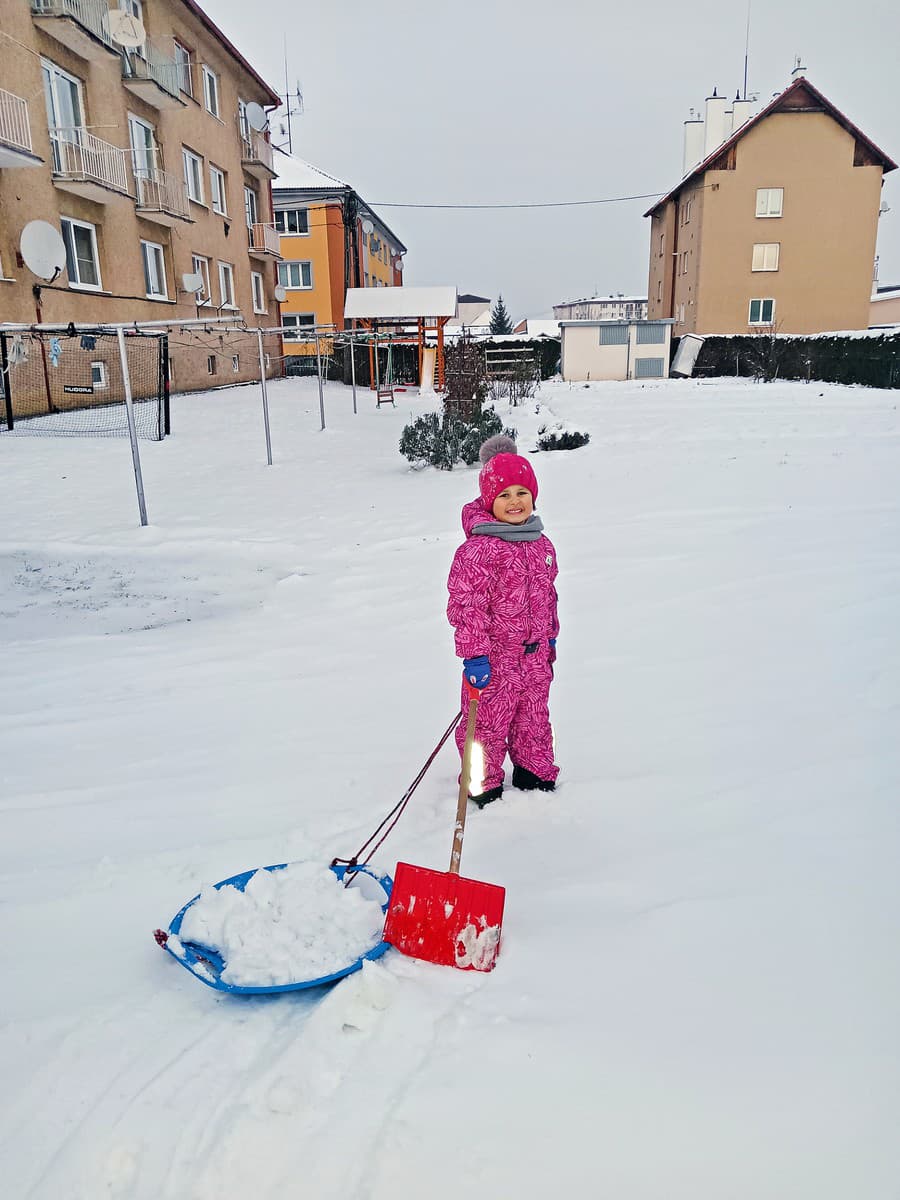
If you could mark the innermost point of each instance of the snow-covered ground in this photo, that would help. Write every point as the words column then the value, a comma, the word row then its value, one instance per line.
column 698, row 992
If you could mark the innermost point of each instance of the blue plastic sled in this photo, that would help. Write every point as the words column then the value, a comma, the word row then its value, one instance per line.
column 207, row 966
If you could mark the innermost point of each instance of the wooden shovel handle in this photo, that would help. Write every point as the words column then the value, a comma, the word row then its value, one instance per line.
column 459, row 829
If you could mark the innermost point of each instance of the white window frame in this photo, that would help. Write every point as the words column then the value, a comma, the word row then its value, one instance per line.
column 292, row 321
column 200, row 266
column 153, row 258
column 761, row 302
column 73, row 223
column 235, row 363
column 226, row 271
column 184, row 68
column 251, row 206
column 101, row 382
column 258, row 287
column 766, row 256
column 193, row 177
column 243, row 123
column 770, row 202
column 143, row 153
column 217, row 197
column 284, row 275
column 211, row 365
column 211, row 92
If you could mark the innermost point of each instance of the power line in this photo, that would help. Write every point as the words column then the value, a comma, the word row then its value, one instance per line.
column 544, row 204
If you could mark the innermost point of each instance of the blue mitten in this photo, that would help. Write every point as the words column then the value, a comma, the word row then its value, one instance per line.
column 477, row 671
column 552, row 655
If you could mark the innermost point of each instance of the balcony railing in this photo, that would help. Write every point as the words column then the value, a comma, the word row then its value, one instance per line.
column 256, row 153
column 91, row 15
column 80, row 157
column 264, row 239
column 15, row 129
column 161, row 192
column 152, row 63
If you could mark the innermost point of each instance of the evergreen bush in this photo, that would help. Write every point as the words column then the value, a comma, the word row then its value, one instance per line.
column 564, row 439
column 442, row 439
column 873, row 361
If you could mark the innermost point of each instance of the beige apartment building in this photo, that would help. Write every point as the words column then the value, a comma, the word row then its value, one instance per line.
column 773, row 226
column 144, row 158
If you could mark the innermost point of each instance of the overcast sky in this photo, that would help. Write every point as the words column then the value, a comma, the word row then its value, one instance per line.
column 492, row 103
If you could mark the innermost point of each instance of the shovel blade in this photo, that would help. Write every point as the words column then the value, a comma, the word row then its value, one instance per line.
column 445, row 919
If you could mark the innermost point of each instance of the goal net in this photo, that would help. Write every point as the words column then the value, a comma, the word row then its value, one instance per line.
column 71, row 384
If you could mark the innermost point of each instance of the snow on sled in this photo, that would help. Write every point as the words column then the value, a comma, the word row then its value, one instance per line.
column 280, row 928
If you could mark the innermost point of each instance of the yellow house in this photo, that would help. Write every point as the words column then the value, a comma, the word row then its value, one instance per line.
column 775, row 227
column 330, row 240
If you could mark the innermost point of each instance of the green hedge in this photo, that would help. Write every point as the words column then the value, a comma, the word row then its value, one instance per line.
column 873, row 361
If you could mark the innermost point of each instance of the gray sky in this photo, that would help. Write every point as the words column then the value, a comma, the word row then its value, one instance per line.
column 561, row 100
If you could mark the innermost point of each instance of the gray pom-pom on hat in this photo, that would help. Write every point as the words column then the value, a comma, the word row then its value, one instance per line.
column 498, row 444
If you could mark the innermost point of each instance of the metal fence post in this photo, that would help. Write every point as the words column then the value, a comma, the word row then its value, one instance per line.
column 353, row 369
column 132, row 431
column 319, row 377
column 265, row 395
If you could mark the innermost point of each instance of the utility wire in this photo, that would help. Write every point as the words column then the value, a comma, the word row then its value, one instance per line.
column 544, row 204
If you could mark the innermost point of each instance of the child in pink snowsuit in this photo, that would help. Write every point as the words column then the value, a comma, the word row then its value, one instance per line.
column 503, row 609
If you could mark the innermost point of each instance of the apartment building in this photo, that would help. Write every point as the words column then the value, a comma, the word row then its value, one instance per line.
column 603, row 308
column 144, row 157
column 330, row 240
column 773, row 226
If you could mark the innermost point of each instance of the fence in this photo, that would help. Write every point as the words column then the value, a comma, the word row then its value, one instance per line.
column 869, row 359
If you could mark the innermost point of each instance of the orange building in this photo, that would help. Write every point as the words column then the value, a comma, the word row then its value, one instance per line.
column 330, row 240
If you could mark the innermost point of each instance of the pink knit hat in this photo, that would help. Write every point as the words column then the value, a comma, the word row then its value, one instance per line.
column 502, row 470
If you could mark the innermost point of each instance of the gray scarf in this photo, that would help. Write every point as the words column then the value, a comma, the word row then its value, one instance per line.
column 528, row 531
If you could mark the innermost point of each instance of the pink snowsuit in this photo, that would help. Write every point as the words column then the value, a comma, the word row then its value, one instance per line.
column 502, row 600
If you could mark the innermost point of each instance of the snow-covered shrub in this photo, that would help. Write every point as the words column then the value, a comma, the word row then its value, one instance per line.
column 442, row 439
column 561, row 439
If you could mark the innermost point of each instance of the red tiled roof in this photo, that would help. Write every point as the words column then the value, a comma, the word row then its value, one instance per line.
column 887, row 163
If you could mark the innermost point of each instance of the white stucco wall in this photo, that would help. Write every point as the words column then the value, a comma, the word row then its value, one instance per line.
column 584, row 358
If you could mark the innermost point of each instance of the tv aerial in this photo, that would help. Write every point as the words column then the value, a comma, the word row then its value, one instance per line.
column 43, row 250
column 125, row 29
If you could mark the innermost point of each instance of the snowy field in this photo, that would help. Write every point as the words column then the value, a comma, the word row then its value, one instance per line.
column 699, row 989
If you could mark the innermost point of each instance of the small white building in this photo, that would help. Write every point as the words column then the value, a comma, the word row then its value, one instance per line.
column 603, row 308
column 616, row 349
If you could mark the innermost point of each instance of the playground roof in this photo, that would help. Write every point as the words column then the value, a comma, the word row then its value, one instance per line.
column 400, row 303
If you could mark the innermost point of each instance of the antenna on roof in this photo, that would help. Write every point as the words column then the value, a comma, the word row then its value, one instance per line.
column 747, row 49
column 293, row 104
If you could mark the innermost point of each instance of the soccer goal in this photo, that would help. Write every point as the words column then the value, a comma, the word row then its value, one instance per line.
column 71, row 383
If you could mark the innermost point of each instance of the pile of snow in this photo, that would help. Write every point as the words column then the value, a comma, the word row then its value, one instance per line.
column 287, row 926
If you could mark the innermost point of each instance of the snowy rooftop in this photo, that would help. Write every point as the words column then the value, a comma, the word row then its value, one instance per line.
column 297, row 173
column 604, row 300
column 403, row 303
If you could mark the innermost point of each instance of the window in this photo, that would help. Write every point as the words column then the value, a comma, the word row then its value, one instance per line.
column 650, row 334
column 662, row 244
column 613, row 335
column 243, row 123
column 769, row 202
column 296, row 322
column 251, row 207
column 82, row 260
column 259, row 294
column 98, row 376
column 154, row 270
column 65, row 112
column 143, row 147
column 297, row 275
column 762, row 312
column 193, row 175
column 184, row 68
column 200, row 266
column 226, row 284
column 659, row 290
column 292, row 220
column 217, row 190
column 235, row 363
column 211, row 364
column 765, row 256
column 648, row 368
column 211, row 91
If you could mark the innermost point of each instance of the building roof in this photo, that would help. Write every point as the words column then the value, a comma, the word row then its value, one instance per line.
column 468, row 298
column 786, row 101
column 193, row 7
column 400, row 303
column 296, row 172
column 603, row 300
column 300, row 181
column 886, row 294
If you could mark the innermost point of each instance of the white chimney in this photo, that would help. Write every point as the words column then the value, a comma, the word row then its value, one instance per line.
column 693, row 142
column 743, row 111
column 716, row 107
column 799, row 71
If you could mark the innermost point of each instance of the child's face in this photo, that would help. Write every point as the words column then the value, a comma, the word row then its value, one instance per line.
column 514, row 505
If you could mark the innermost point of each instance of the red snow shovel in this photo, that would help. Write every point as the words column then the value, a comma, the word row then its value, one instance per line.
column 442, row 917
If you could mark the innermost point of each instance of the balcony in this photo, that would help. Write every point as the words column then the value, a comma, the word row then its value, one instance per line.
column 86, row 165
column 256, row 154
column 161, row 196
column 151, row 73
column 15, row 133
column 80, row 25
column 264, row 241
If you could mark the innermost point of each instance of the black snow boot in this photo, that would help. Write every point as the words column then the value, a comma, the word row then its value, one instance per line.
column 484, row 798
column 527, row 781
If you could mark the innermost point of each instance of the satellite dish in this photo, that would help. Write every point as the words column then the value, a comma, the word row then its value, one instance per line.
column 193, row 282
column 126, row 30
column 280, row 294
column 256, row 117
column 43, row 250
column 368, row 226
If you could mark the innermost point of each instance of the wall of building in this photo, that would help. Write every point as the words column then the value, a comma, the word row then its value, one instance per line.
column 885, row 310
column 584, row 358
column 30, row 193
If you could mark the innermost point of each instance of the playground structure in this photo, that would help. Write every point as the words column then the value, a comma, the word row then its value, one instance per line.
column 402, row 316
